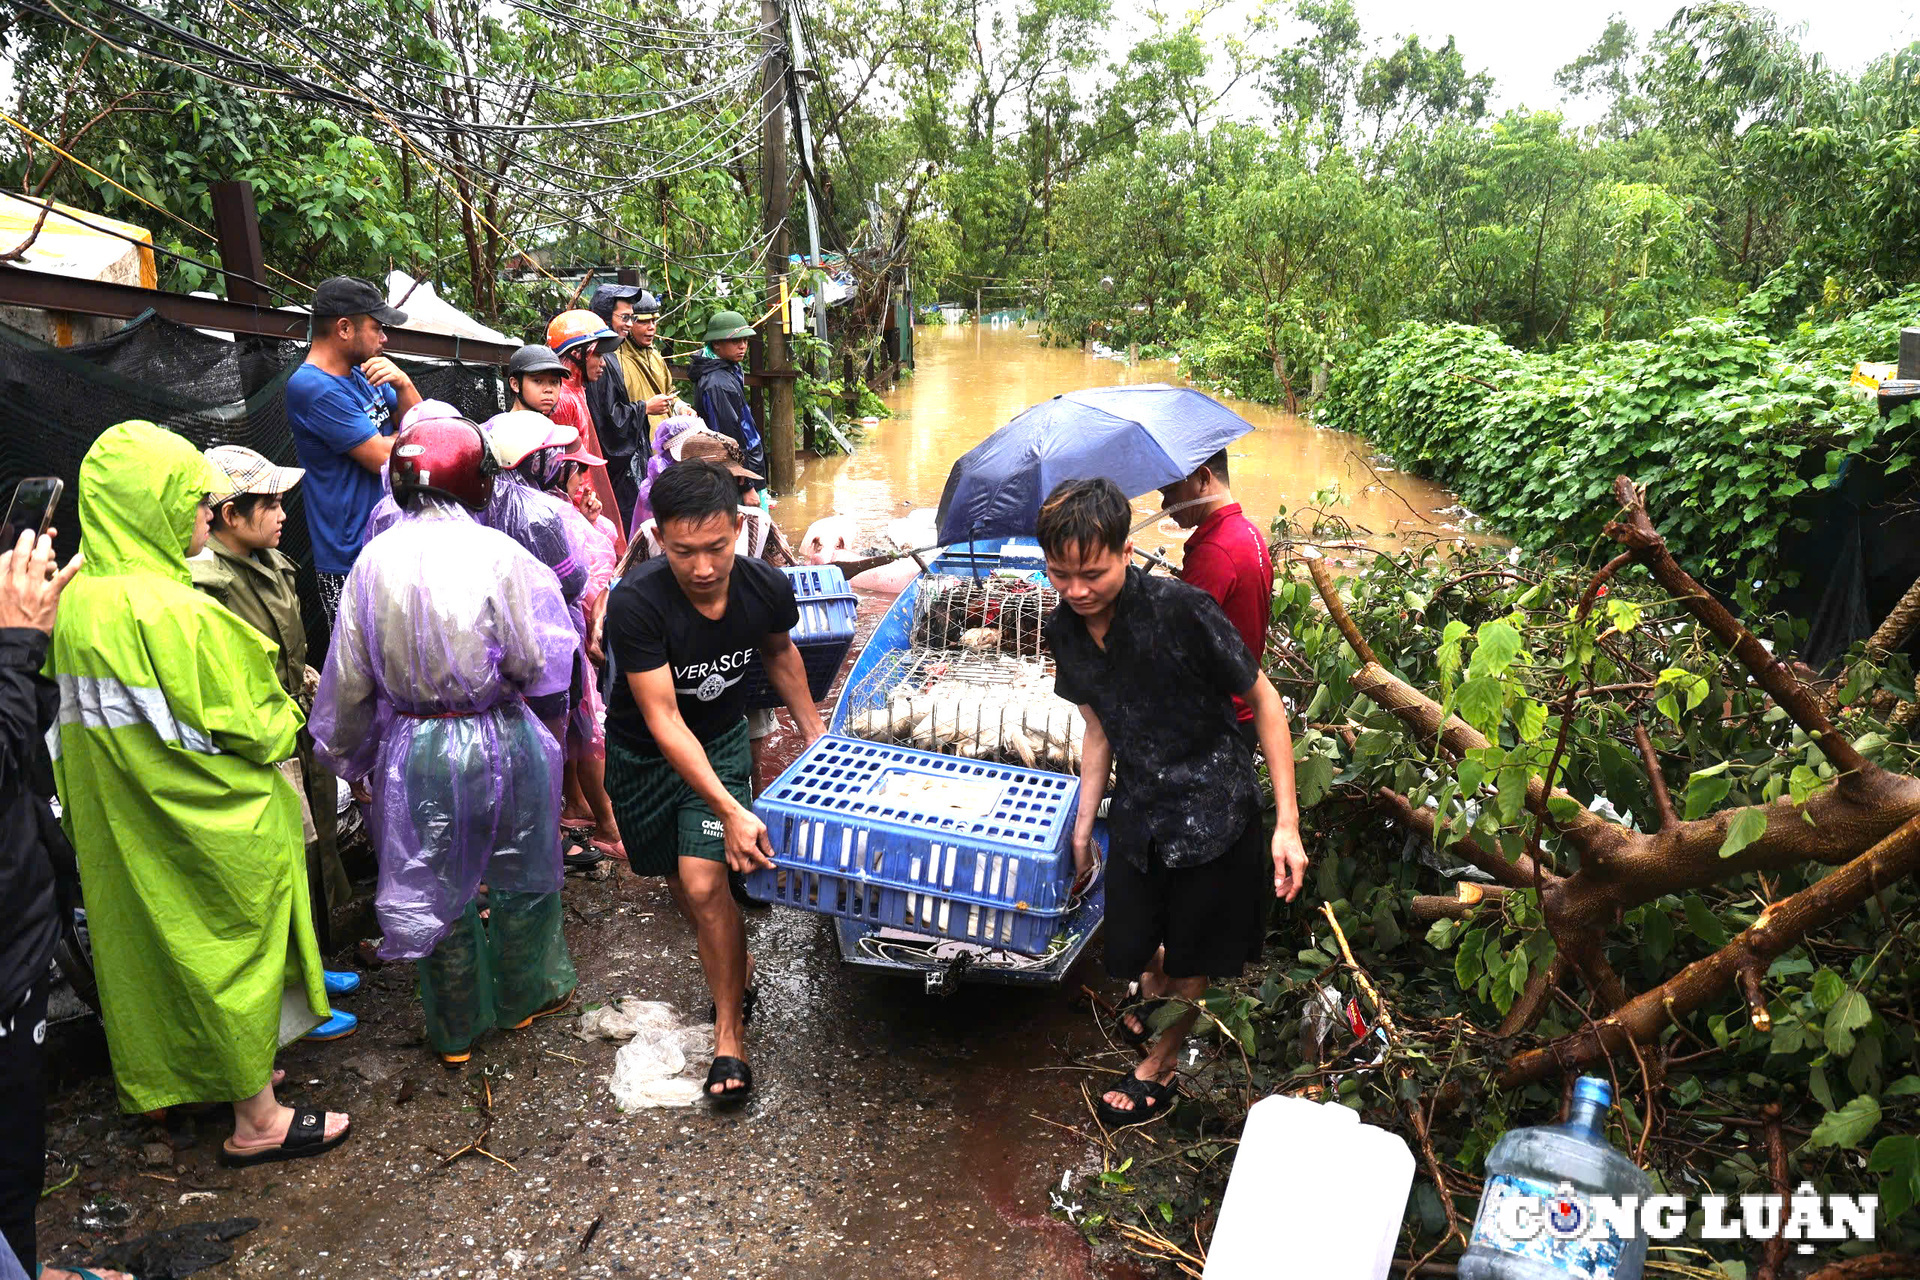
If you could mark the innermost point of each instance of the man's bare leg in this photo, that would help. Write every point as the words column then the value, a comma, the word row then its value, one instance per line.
column 700, row 890
column 573, row 801
column 591, row 782
column 1162, row 1060
column 1153, row 986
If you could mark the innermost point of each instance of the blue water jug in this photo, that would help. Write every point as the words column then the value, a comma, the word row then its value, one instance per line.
column 1539, row 1218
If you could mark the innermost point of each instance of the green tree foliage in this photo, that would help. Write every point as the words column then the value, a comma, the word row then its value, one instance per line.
column 1467, row 980
column 1731, row 424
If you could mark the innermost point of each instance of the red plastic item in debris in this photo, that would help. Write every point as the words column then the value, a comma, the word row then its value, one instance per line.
column 1355, row 1022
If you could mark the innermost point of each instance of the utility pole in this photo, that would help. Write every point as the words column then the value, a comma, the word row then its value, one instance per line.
column 778, row 430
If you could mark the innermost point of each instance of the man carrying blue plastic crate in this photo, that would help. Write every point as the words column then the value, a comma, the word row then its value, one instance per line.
column 1154, row 666
column 682, row 628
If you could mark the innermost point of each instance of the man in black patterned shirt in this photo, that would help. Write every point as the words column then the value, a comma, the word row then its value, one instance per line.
column 1154, row 666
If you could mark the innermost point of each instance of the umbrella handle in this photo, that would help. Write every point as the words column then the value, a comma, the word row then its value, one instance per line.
column 1154, row 557
column 1167, row 511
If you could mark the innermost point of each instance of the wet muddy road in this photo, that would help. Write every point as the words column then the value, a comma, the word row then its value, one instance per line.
column 893, row 1136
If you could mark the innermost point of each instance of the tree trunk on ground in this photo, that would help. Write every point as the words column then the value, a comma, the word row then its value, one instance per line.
column 1866, row 824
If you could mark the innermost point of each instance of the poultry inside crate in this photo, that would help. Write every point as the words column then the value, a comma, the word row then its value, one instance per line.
column 981, row 705
column 981, row 615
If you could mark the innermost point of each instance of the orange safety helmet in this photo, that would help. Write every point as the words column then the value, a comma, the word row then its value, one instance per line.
column 571, row 330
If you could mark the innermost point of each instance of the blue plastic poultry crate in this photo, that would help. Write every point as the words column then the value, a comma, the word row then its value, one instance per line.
column 930, row 843
column 827, row 605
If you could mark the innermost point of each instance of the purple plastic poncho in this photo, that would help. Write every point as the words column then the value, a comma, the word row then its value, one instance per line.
column 545, row 524
column 445, row 629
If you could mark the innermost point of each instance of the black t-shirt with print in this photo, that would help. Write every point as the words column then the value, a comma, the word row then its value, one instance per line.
column 651, row 623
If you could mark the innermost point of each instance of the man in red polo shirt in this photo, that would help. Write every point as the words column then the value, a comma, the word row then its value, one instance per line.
column 1226, row 557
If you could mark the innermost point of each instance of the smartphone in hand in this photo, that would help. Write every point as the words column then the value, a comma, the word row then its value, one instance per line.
column 34, row 500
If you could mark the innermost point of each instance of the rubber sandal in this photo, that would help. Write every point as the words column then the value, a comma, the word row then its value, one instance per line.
column 726, row 1068
column 1139, row 1007
column 454, row 1061
column 1150, row 1100
column 306, row 1137
column 341, row 982
column 558, row 1006
column 583, row 857
column 341, row 1025
column 748, row 998
column 615, row 849
column 71, row 1268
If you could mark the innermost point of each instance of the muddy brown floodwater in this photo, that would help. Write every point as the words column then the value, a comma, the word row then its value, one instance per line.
column 972, row 379
column 893, row 1136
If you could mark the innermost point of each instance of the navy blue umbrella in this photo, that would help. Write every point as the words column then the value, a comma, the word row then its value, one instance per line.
column 1140, row 437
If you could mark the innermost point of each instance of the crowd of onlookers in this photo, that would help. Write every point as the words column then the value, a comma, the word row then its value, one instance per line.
column 540, row 632
column 537, row 628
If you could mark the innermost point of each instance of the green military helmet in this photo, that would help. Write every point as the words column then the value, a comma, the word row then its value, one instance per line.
column 727, row 324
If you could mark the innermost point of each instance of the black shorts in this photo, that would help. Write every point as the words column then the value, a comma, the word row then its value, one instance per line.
column 1210, row 918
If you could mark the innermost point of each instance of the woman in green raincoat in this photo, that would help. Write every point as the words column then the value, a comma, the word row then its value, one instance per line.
column 191, row 862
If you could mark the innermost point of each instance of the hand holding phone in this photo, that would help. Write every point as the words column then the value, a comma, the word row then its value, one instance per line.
column 29, row 587
column 31, row 509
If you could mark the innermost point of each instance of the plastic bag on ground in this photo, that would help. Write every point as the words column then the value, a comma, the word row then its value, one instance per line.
column 625, row 1018
column 663, row 1064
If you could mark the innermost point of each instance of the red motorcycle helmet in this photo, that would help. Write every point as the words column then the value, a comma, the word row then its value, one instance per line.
column 447, row 456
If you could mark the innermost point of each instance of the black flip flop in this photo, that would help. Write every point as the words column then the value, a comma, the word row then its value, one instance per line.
column 1151, row 1099
column 1139, row 1007
column 306, row 1137
column 749, row 998
column 582, row 857
column 724, row 1069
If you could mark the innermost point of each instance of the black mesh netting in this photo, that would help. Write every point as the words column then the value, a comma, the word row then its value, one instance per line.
column 1859, row 554
column 211, row 390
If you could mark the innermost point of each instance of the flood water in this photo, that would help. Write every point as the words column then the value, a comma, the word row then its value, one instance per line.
column 972, row 379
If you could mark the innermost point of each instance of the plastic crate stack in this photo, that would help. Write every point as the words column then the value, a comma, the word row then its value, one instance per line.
column 927, row 843
column 827, row 608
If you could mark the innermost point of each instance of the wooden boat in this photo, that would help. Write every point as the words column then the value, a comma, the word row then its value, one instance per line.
column 945, row 965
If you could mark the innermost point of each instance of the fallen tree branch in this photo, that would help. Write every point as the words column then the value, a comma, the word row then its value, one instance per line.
column 1668, row 817
column 1874, row 1266
column 1533, row 1001
column 1780, row 927
column 1337, row 608
column 1513, row 875
column 1775, row 1254
column 1636, row 533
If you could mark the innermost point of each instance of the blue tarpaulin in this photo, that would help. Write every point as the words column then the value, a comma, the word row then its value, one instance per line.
column 1140, row 437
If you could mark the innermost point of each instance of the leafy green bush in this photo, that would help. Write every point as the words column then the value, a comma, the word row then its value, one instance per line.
column 1728, row 424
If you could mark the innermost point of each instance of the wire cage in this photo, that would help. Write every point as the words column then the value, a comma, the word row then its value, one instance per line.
column 983, row 705
column 992, row 614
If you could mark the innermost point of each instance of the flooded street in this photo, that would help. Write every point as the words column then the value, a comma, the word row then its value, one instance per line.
column 971, row 380
column 892, row 1135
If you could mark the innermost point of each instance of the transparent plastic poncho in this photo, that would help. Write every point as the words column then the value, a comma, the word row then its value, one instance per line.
column 587, row 727
column 445, row 629
column 549, row 526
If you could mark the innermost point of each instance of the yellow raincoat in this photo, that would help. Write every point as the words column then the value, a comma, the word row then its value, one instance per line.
column 191, row 860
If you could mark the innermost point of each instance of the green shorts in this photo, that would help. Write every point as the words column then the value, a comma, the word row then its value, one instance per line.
column 662, row 819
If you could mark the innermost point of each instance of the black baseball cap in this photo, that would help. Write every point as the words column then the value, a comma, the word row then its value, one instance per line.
column 352, row 296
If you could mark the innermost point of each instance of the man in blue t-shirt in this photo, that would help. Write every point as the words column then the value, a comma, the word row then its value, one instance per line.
column 344, row 404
